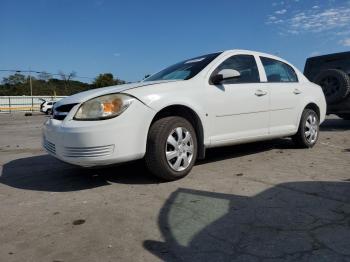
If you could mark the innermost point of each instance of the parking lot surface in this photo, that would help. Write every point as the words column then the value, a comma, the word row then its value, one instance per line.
column 266, row 201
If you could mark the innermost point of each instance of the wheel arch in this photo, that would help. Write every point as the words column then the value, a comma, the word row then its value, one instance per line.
column 314, row 107
column 190, row 115
column 310, row 105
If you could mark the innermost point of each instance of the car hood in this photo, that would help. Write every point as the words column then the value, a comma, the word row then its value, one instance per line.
column 87, row 95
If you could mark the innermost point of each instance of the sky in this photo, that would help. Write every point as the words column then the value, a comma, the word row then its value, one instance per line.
column 133, row 38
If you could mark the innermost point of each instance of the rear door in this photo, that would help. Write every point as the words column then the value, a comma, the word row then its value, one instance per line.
column 285, row 91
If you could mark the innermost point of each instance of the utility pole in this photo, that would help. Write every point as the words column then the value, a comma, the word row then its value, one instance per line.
column 31, row 88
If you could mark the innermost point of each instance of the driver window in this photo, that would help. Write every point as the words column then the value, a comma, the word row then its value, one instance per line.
column 245, row 65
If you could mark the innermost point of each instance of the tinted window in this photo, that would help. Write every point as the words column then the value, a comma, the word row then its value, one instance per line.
column 277, row 71
column 245, row 65
column 185, row 69
column 50, row 103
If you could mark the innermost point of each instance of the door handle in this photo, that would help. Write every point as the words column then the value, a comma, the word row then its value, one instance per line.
column 297, row 91
column 260, row 92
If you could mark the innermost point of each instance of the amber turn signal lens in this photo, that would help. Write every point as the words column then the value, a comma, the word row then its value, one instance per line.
column 111, row 107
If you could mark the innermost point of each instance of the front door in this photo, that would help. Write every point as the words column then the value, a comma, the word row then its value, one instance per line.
column 238, row 108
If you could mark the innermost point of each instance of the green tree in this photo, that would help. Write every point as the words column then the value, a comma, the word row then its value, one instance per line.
column 44, row 76
column 14, row 79
column 18, row 85
column 107, row 79
column 66, row 78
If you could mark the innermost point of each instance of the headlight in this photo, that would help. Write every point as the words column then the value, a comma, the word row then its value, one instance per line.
column 103, row 107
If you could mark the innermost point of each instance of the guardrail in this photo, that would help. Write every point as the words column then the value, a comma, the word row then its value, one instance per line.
column 10, row 104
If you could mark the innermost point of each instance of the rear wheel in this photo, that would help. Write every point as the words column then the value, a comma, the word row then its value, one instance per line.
column 308, row 131
column 171, row 148
column 48, row 111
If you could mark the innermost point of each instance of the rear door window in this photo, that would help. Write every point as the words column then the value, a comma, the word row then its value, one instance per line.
column 277, row 71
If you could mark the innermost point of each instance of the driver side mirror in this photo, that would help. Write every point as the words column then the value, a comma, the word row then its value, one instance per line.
column 225, row 74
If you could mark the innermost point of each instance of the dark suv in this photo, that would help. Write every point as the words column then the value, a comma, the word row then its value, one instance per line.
column 332, row 73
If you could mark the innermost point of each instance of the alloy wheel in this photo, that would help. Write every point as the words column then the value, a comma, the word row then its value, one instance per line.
column 179, row 149
column 311, row 128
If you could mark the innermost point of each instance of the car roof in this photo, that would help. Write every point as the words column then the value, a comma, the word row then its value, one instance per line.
column 256, row 53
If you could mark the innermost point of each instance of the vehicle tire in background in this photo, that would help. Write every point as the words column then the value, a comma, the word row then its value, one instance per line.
column 335, row 84
column 171, row 148
column 48, row 111
column 309, row 129
column 344, row 116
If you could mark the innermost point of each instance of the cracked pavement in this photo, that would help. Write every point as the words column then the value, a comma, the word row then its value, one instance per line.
column 266, row 201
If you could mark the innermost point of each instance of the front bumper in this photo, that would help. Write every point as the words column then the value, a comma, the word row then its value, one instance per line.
column 97, row 143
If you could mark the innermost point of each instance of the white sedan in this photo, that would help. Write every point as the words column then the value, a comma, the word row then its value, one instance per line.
column 46, row 106
column 173, row 116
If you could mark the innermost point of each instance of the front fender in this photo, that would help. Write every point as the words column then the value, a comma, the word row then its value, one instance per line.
column 163, row 96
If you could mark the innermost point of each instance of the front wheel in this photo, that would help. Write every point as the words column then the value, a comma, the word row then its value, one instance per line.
column 309, row 129
column 171, row 148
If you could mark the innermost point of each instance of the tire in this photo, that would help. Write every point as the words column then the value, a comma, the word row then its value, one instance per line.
column 158, row 147
column 307, row 138
column 335, row 84
column 48, row 111
column 344, row 116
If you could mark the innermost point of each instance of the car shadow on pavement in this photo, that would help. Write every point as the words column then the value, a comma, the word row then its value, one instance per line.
column 45, row 173
column 222, row 153
column 335, row 125
column 297, row 221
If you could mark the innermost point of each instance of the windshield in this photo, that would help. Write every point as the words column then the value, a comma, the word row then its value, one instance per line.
column 185, row 69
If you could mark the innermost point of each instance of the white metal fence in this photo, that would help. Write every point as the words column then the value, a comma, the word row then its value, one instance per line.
column 10, row 104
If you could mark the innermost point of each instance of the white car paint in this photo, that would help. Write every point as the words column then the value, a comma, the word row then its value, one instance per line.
column 46, row 106
column 229, row 114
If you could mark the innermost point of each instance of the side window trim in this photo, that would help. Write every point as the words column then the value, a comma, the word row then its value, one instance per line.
column 262, row 73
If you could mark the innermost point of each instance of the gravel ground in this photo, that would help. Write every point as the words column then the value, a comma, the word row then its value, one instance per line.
column 266, row 201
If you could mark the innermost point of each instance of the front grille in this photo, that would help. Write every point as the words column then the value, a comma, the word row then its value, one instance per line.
column 96, row 151
column 62, row 111
column 49, row 146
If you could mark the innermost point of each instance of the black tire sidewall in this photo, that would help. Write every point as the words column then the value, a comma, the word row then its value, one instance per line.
column 343, row 80
column 164, row 170
column 305, row 115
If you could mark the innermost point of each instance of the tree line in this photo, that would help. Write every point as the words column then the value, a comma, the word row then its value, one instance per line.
column 44, row 83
